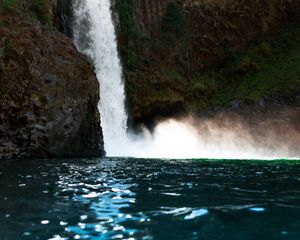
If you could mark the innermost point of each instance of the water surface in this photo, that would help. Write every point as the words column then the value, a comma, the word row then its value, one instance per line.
column 149, row 199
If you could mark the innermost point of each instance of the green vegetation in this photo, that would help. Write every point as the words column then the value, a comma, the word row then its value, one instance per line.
column 137, row 50
column 9, row 4
column 135, row 44
column 130, row 37
column 173, row 19
column 260, row 70
column 8, row 48
column 40, row 11
column 158, row 71
column 174, row 33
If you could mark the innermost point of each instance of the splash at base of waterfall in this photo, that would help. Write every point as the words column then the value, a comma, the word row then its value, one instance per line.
column 94, row 35
column 207, row 139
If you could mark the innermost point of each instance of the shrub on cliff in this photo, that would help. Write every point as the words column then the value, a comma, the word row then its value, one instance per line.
column 173, row 21
column 40, row 9
column 174, row 34
column 130, row 36
column 9, row 4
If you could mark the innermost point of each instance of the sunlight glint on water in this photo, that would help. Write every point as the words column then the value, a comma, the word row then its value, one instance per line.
column 149, row 199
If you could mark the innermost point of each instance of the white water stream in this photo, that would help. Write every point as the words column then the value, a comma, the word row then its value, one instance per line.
column 94, row 35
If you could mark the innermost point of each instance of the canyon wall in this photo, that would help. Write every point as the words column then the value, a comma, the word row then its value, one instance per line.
column 211, row 26
column 194, row 55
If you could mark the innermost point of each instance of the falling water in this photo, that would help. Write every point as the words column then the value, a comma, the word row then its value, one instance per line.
column 94, row 35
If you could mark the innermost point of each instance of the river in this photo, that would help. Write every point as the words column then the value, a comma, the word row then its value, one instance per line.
column 126, row 198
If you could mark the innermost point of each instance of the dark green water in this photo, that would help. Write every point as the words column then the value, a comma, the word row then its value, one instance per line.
column 149, row 199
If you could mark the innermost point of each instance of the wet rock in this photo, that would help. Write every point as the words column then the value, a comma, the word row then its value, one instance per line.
column 63, row 15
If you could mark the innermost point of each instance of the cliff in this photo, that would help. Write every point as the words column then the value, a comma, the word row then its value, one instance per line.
column 49, row 92
column 195, row 55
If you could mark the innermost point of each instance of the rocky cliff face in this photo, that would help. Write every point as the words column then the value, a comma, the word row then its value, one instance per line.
column 194, row 55
column 49, row 93
column 211, row 26
column 62, row 12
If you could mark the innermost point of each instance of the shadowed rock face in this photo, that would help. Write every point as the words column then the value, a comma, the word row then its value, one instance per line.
column 49, row 94
column 186, row 52
column 62, row 11
column 213, row 25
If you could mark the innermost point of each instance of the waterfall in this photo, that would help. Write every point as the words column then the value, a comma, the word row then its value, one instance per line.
column 94, row 35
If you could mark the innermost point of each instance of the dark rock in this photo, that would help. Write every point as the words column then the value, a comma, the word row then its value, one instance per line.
column 64, row 16
column 49, row 95
column 235, row 104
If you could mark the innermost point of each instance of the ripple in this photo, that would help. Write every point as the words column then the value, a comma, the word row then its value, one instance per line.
column 91, row 195
column 172, row 194
column 196, row 214
column 149, row 199
column 57, row 237
column 174, row 211
column 44, row 222
column 257, row 209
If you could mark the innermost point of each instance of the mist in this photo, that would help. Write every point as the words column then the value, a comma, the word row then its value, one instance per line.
column 245, row 135
column 223, row 136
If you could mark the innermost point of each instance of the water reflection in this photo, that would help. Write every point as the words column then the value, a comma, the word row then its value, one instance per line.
column 106, row 198
column 149, row 199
